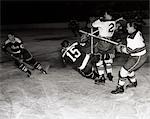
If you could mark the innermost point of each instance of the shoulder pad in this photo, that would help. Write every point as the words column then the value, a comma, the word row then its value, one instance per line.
column 7, row 41
column 75, row 43
column 18, row 40
column 139, row 33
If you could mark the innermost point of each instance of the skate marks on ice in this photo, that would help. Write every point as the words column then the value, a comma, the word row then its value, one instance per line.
column 28, row 99
column 135, row 100
column 65, row 94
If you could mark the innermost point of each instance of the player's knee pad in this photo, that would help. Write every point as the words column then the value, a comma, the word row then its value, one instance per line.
column 101, row 67
column 99, row 63
column 110, row 61
column 132, row 74
column 109, row 65
column 109, row 68
column 123, row 73
column 101, row 70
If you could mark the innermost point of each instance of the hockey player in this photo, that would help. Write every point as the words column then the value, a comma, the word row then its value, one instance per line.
column 106, row 27
column 136, row 49
column 74, row 55
column 74, row 27
column 14, row 47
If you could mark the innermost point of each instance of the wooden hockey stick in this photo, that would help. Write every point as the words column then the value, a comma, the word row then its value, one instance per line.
column 98, row 37
column 92, row 42
column 26, row 64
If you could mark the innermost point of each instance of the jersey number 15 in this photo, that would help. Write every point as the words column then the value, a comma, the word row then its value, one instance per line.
column 73, row 53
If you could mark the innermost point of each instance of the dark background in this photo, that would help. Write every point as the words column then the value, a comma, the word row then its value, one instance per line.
column 18, row 12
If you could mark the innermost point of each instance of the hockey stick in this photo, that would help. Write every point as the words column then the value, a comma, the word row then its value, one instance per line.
column 98, row 37
column 20, row 61
column 92, row 42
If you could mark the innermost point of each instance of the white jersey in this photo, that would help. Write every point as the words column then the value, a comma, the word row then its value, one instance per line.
column 106, row 28
column 135, row 44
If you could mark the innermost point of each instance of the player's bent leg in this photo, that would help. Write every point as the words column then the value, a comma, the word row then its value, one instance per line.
column 27, row 56
column 38, row 66
column 23, row 68
column 108, row 63
column 101, row 79
column 133, row 64
column 87, row 70
column 123, row 74
column 132, row 80
column 109, row 71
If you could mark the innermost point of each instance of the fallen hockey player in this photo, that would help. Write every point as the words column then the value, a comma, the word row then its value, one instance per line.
column 74, row 55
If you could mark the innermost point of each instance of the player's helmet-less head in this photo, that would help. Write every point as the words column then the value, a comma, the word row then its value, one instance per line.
column 65, row 43
column 108, row 14
column 11, row 37
column 132, row 26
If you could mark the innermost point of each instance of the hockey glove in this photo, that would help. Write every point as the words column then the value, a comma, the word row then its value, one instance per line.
column 119, row 47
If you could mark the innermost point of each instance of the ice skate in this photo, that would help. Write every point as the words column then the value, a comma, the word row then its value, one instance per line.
column 118, row 90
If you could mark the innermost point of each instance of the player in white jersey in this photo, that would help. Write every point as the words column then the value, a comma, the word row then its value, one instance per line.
column 136, row 49
column 106, row 27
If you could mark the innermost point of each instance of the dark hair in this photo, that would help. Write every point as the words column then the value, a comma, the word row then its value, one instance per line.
column 65, row 43
column 109, row 11
column 11, row 33
column 135, row 24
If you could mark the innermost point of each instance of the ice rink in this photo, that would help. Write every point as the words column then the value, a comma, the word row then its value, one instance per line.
column 63, row 93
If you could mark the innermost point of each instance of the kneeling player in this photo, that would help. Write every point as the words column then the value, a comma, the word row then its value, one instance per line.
column 74, row 55
column 14, row 47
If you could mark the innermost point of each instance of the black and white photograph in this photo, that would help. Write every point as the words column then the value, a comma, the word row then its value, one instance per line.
column 74, row 59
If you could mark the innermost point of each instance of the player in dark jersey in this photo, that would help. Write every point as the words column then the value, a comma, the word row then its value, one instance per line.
column 14, row 47
column 74, row 55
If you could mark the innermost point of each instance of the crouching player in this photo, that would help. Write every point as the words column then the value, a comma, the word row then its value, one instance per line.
column 74, row 55
column 136, row 49
column 14, row 47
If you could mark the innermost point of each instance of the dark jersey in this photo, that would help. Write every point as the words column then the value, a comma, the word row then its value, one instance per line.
column 74, row 54
column 15, row 46
column 104, row 47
